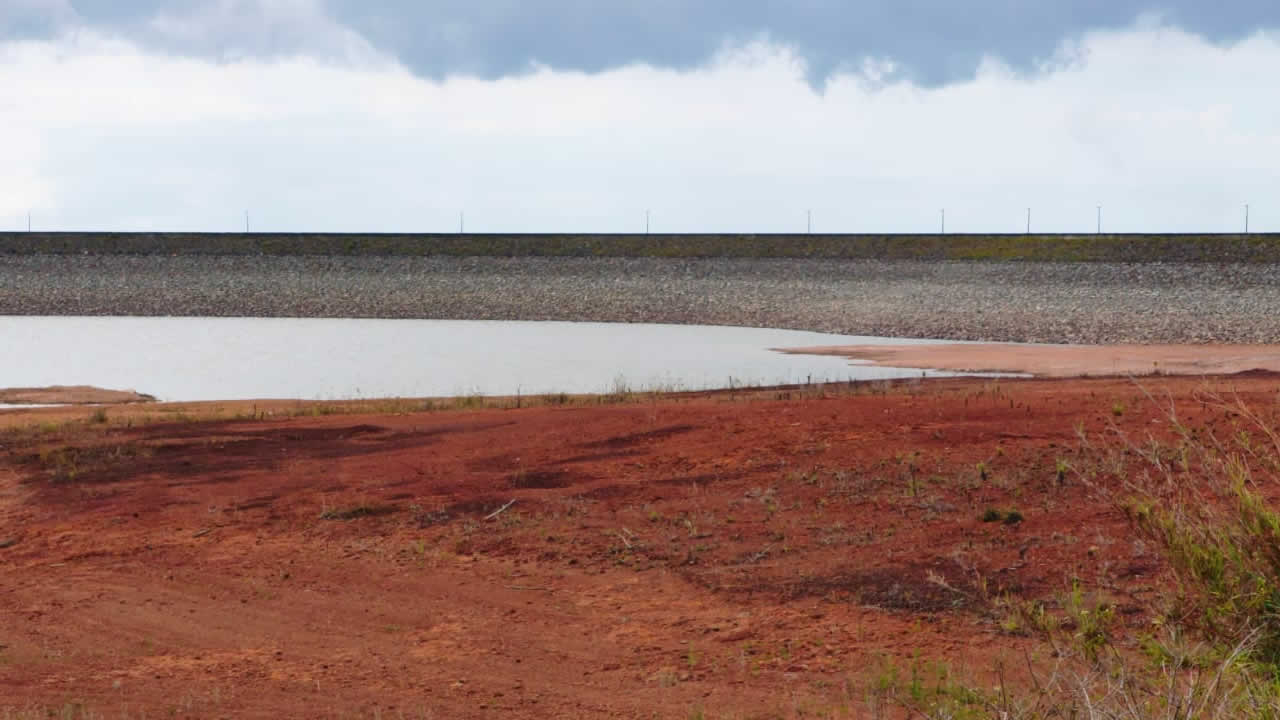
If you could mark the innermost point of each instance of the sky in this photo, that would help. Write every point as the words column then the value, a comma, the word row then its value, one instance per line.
column 591, row 115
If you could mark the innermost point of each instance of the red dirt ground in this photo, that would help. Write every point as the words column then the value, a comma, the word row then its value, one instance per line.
column 747, row 555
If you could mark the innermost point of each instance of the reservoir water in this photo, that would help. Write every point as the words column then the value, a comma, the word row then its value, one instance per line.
column 183, row 358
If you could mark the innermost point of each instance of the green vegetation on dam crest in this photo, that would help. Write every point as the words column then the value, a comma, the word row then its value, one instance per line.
column 1248, row 248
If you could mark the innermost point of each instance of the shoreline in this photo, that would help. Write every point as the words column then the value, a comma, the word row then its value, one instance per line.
column 1064, row 361
column 284, row 409
column 1038, row 361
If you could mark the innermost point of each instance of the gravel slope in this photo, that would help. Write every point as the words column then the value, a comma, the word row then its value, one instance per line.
column 1014, row 301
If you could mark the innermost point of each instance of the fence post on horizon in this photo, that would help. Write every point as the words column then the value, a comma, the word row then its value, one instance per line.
column 944, row 221
column 1028, row 221
column 646, row 222
column 28, row 221
column 246, row 222
column 462, row 222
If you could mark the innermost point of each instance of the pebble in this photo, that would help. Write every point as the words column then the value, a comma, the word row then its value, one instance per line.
column 960, row 300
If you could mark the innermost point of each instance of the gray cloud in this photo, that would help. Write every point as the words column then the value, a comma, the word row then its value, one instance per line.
column 934, row 41
column 33, row 18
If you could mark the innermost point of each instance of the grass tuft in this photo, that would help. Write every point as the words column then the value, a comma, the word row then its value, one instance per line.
column 358, row 511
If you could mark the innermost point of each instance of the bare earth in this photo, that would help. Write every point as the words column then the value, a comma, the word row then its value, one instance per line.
column 1065, row 360
column 741, row 554
column 70, row 395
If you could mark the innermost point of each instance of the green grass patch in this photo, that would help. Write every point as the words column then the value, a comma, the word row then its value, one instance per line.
column 1256, row 247
column 1006, row 517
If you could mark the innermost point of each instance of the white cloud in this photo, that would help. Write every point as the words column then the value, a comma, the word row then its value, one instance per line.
column 1165, row 130
column 234, row 29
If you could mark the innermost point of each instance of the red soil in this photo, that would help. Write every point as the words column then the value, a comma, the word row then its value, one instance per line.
column 737, row 553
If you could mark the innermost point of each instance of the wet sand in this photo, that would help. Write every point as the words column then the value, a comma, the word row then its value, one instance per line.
column 1064, row 360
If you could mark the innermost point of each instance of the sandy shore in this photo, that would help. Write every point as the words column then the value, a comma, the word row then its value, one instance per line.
column 70, row 395
column 1064, row 360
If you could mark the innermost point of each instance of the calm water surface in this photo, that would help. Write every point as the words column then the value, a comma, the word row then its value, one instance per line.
column 237, row 358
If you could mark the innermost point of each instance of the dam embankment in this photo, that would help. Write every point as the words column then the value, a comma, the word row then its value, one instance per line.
column 1067, row 288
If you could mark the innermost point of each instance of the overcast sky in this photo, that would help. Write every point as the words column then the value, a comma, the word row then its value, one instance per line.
column 580, row 115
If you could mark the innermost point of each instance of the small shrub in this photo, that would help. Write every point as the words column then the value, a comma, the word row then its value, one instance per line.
column 1008, row 517
column 1060, row 472
column 1091, row 619
column 358, row 511
column 1227, row 564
